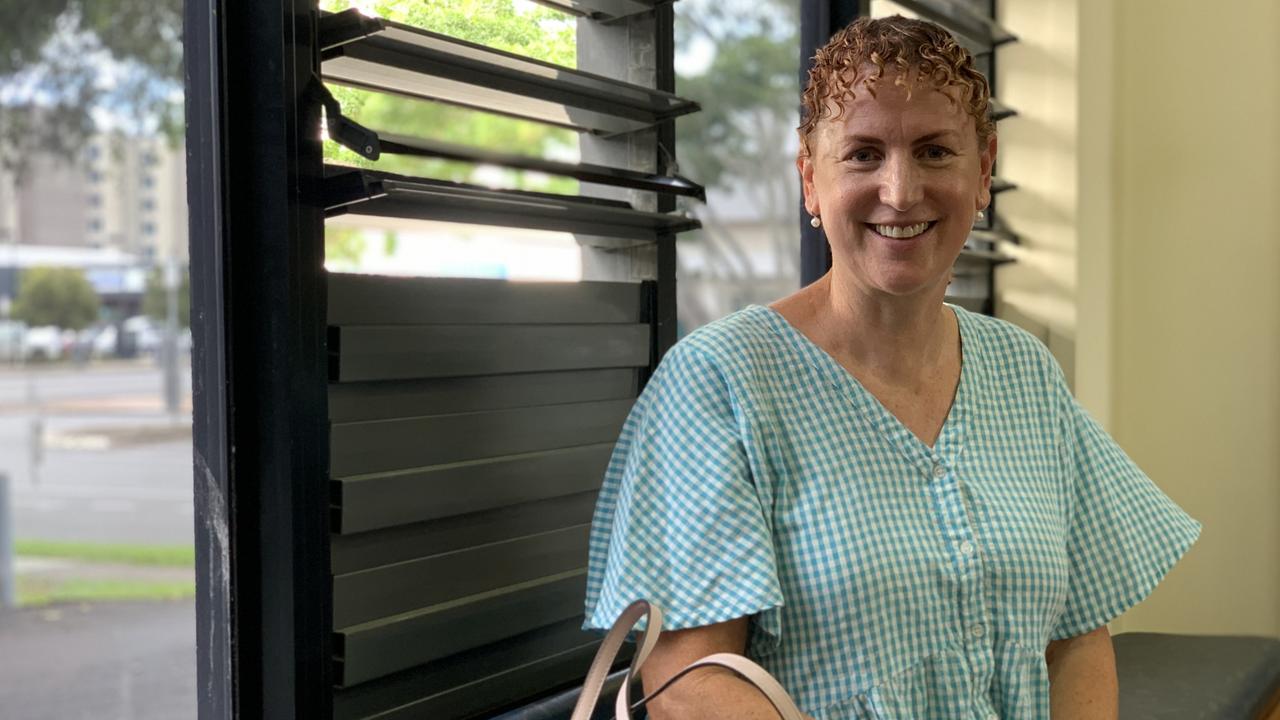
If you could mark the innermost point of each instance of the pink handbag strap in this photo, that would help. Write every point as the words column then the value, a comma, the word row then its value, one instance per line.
column 591, row 687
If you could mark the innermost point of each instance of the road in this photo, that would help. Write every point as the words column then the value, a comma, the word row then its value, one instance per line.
column 69, row 485
column 64, row 382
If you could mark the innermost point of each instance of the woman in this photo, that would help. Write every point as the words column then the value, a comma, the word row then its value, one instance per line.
column 894, row 505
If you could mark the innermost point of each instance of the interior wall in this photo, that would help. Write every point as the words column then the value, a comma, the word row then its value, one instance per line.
column 1196, row 391
column 1148, row 158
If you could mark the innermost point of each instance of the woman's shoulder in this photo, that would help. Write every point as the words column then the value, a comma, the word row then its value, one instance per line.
column 1004, row 344
column 734, row 342
column 736, row 353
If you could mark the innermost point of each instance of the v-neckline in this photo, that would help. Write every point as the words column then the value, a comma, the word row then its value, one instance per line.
column 946, row 447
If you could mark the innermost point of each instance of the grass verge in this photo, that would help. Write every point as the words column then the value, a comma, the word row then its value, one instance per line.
column 103, row 572
column 34, row 591
column 114, row 553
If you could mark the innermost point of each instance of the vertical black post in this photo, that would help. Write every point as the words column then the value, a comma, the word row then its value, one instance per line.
column 989, row 306
column 819, row 20
column 206, row 161
column 259, row 363
column 665, row 330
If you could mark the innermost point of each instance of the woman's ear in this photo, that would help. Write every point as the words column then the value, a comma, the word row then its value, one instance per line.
column 987, row 161
column 804, row 164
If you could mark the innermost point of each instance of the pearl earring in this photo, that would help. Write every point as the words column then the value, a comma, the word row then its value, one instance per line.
column 982, row 215
column 815, row 221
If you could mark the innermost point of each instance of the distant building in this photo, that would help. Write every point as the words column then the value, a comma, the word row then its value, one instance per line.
column 115, row 212
column 136, row 193
column 123, row 194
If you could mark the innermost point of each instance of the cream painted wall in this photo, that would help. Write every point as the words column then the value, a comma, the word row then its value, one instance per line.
column 1196, row 389
column 1150, row 208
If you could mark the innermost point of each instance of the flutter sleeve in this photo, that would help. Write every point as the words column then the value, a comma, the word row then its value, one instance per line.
column 1124, row 533
column 679, row 521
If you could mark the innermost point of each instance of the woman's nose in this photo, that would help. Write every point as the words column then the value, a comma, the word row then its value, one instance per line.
column 900, row 186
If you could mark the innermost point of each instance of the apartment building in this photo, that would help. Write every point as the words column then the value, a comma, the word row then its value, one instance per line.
column 116, row 210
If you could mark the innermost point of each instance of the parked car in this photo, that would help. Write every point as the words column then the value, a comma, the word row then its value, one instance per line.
column 147, row 335
column 42, row 343
column 21, row 343
column 104, row 341
column 95, row 341
column 11, row 332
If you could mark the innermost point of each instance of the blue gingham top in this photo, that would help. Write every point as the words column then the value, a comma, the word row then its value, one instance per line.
column 886, row 579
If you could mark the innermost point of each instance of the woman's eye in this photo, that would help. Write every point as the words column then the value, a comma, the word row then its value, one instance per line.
column 936, row 152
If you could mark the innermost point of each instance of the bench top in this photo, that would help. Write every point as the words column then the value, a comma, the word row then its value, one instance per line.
column 1188, row 676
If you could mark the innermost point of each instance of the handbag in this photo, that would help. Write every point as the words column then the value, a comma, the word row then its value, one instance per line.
column 592, row 686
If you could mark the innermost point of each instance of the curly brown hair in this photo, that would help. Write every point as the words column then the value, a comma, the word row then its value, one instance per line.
column 905, row 44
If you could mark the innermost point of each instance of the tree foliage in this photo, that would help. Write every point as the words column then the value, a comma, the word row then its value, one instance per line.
column 65, row 65
column 749, row 91
column 741, row 144
column 56, row 296
column 536, row 32
column 501, row 24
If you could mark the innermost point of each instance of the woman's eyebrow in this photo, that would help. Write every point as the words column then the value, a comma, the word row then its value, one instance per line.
column 935, row 136
column 862, row 140
column 872, row 140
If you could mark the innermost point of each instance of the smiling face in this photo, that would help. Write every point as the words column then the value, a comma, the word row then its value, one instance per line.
column 897, row 182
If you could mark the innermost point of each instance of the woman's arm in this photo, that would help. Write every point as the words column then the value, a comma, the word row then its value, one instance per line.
column 706, row 693
column 1082, row 677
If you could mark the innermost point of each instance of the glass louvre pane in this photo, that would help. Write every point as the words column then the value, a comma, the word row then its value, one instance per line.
column 737, row 58
column 422, row 248
column 517, row 26
column 367, row 244
column 447, row 123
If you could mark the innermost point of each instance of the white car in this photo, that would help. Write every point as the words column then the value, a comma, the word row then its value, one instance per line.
column 11, row 332
column 42, row 343
column 147, row 335
column 103, row 341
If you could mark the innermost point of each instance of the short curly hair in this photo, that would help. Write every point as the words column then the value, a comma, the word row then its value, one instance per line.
column 904, row 44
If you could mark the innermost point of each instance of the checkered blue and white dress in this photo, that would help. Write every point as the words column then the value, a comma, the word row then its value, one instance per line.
column 886, row 579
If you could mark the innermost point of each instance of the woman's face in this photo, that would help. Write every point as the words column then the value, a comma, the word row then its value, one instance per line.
column 897, row 183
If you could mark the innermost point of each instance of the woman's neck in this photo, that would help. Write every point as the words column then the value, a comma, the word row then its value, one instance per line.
column 893, row 339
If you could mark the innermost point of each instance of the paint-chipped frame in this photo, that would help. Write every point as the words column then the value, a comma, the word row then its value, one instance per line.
column 259, row 372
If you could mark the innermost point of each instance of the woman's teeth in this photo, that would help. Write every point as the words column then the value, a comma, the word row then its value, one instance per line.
column 908, row 231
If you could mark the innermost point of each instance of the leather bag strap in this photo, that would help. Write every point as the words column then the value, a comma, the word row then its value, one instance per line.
column 746, row 669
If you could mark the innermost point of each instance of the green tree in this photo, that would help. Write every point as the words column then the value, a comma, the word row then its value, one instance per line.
column 741, row 142
column 749, row 91
column 535, row 32
column 155, row 300
column 56, row 296
column 531, row 31
column 343, row 247
column 65, row 60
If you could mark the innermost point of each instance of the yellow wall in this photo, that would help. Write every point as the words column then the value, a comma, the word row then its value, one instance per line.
column 1149, row 154
column 1197, row 320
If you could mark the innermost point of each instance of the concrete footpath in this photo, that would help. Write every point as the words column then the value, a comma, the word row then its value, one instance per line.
column 99, row 661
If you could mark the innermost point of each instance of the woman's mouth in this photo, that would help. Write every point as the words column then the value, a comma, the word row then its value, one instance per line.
column 901, row 232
